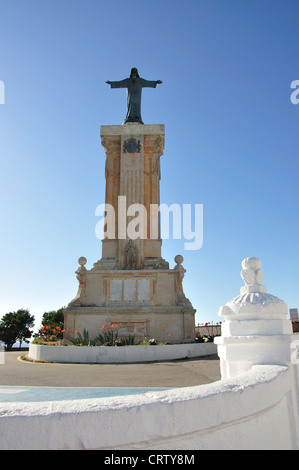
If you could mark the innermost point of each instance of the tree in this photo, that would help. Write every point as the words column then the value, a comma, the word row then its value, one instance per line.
column 14, row 326
column 54, row 318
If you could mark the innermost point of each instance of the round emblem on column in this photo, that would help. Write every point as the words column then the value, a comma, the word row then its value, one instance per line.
column 132, row 146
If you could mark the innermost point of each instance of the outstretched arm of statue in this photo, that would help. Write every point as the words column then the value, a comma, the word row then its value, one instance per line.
column 149, row 83
column 119, row 84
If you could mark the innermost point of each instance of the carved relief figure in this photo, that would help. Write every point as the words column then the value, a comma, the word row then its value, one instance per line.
column 130, row 253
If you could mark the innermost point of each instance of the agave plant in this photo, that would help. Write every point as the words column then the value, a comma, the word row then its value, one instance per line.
column 108, row 338
column 128, row 340
column 83, row 339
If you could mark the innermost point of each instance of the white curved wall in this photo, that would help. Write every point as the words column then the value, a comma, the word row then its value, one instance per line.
column 120, row 354
column 256, row 410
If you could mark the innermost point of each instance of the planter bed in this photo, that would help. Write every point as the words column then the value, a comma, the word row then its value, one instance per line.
column 119, row 354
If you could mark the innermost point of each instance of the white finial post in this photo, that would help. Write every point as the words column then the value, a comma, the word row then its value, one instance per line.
column 256, row 329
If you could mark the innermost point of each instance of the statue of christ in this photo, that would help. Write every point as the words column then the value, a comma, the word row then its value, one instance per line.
column 134, row 86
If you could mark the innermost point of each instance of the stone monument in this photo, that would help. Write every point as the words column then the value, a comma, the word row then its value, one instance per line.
column 132, row 286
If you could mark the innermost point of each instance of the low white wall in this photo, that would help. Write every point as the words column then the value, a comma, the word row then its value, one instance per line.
column 256, row 410
column 119, row 354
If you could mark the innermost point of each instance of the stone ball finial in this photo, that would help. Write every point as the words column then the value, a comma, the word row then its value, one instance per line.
column 82, row 261
column 179, row 259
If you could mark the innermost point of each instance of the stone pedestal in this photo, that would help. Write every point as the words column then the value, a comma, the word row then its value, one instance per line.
column 256, row 329
column 131, row 285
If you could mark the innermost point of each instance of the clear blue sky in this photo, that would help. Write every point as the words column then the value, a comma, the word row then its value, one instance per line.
column 232, row 137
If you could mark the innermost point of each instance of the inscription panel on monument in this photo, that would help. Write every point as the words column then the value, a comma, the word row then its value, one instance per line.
column 116, row 290
column 130, row 290
column 143, row 290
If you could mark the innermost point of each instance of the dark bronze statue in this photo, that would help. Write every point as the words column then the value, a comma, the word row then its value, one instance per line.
column 134, row 86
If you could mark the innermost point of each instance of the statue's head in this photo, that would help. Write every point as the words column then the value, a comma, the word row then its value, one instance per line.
column 134, row 73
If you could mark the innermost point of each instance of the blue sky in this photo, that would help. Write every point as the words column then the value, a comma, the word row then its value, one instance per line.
column 231, row 139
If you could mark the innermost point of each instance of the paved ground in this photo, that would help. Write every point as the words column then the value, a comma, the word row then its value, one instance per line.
column 182, row 373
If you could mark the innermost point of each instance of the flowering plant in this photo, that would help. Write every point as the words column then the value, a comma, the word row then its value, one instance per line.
column 152, row 342
column 49, row 333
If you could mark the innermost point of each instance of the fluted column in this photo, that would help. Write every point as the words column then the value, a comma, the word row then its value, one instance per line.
column 133, row 173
